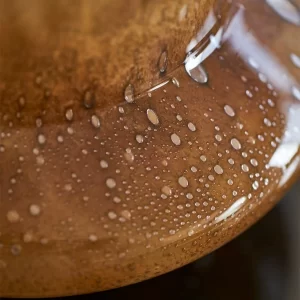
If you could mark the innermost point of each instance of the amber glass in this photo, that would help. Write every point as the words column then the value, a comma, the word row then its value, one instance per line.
column 137, row 136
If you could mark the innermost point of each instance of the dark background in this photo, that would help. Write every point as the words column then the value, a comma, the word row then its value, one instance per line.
column 261, row 264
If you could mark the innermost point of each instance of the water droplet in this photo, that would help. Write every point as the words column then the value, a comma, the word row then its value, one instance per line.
column 117, row 199
column 129, row 155
column 68, row 187
column 95, row 121
column 13, row 216
column 175, row 82
column 295, row 60
column 183, row 181
column 189, row 196
column 245, row 168
column 112, row 215
column 197, row 73
column 103, row 164
column 110, row 183
column 34, row 209
column 163, row 62
column 152, row 116
column 191, row 126
column 286, row 9
column 229, row 111
column 93, row 238
column 218, row 169
column 175, row 139
column 139, row 138
column 126, row 214
column 88, row 98
column 254, row 162
column 69, row 114
column 166, row 190
column 249, row 94
column 41, row 139
column 236, row 144
column 129, row 93
column 60, row 138
column 203, row 158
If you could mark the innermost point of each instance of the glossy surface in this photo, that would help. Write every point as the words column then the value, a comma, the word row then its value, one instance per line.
column 137, row 138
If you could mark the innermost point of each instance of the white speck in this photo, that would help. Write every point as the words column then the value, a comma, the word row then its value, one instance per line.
column 103, row 164
column 41, row 139
column 13, row 216
column 254, row 162
column 60, row 138
column 249, row 94
column 68, row 187
column 93, row 238
column 255, row 185
column 40, row 160
column 245, row 168
column 110, row 183
column 175, row 81
column 112, row 215
column 34, row 209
